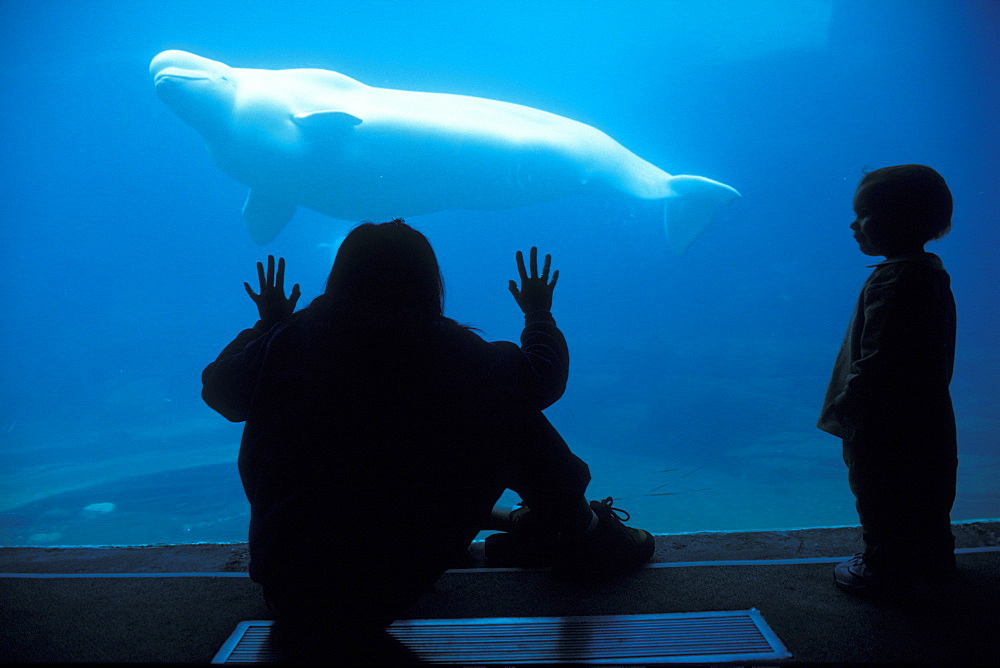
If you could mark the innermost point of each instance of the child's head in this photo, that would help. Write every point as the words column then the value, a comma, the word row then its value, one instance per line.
column 907, row 206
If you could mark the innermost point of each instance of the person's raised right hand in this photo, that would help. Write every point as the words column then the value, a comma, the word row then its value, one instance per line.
column 535, row 293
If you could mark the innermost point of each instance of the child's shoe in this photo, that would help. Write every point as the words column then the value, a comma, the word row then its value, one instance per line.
column 857, row 577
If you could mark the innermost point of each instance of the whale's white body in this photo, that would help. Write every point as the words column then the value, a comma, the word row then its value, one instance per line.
column 322, row 140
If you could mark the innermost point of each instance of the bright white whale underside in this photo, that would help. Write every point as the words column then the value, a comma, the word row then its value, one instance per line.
column 319, row 139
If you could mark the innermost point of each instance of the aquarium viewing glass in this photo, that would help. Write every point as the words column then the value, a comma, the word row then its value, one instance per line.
column 696, row 378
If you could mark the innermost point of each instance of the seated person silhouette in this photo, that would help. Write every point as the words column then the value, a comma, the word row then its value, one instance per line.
column 888, row 397
column 380, row 434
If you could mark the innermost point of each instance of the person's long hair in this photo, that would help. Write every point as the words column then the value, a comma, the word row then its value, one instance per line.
column 386, row 272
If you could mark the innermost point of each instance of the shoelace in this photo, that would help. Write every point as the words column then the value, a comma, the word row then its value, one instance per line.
column 608, row 501
column 621, row 514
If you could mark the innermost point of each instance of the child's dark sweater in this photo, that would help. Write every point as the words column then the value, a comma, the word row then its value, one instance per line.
column 892, row 374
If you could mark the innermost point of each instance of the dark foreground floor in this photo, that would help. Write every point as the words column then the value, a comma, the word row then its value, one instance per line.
column 130, row 604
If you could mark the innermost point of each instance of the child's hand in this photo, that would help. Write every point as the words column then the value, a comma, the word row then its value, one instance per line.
column 271, row 302
column 536, row 291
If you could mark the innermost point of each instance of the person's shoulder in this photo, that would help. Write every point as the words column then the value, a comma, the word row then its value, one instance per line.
column 470, row 339
column 916, row 262
column 908, row 266
column 450, row 332
column 907, row 277
column 314, row 322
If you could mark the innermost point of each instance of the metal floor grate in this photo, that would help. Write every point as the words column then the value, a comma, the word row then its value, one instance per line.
column 689, row 637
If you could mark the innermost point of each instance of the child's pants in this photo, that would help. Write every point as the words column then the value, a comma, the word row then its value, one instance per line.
column 904, row 490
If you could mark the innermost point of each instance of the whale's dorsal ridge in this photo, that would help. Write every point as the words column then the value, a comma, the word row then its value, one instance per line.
column 327, row 119
column 326, row 78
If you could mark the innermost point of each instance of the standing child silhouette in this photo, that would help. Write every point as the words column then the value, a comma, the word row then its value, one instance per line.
column 888, row 398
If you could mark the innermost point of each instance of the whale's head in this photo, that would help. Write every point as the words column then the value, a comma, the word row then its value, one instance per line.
column 201, row 91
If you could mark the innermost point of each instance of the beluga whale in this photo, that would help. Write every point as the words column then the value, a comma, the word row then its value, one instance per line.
column 322, row 140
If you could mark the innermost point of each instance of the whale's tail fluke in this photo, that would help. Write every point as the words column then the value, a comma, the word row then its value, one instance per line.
column 691, row 206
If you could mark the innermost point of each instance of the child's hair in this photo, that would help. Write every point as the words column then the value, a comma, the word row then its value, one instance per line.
column 914, row 195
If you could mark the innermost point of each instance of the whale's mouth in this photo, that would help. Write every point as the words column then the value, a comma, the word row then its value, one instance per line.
column 174, row 74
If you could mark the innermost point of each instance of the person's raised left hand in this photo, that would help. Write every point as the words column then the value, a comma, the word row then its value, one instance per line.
column 272, row 305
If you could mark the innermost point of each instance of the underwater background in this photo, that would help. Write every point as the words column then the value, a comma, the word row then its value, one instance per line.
column 695, row 380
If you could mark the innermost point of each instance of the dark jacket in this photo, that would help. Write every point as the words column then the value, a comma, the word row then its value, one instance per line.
column 360, row 439
column 892, row 374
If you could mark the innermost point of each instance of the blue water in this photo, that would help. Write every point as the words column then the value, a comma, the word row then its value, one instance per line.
column 695, row 380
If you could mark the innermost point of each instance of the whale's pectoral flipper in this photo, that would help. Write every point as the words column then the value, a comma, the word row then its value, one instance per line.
column 266, row 216
column 336, row 121
column 691, row 206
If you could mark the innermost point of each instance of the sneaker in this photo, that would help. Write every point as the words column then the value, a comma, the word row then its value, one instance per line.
column 523, row 522
column 526, row 544
column 611, row 549
column 856, row 576
column 507, row 550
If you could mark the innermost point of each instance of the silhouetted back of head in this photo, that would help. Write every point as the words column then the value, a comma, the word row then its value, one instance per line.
column 913, row 199
column 387, row 272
